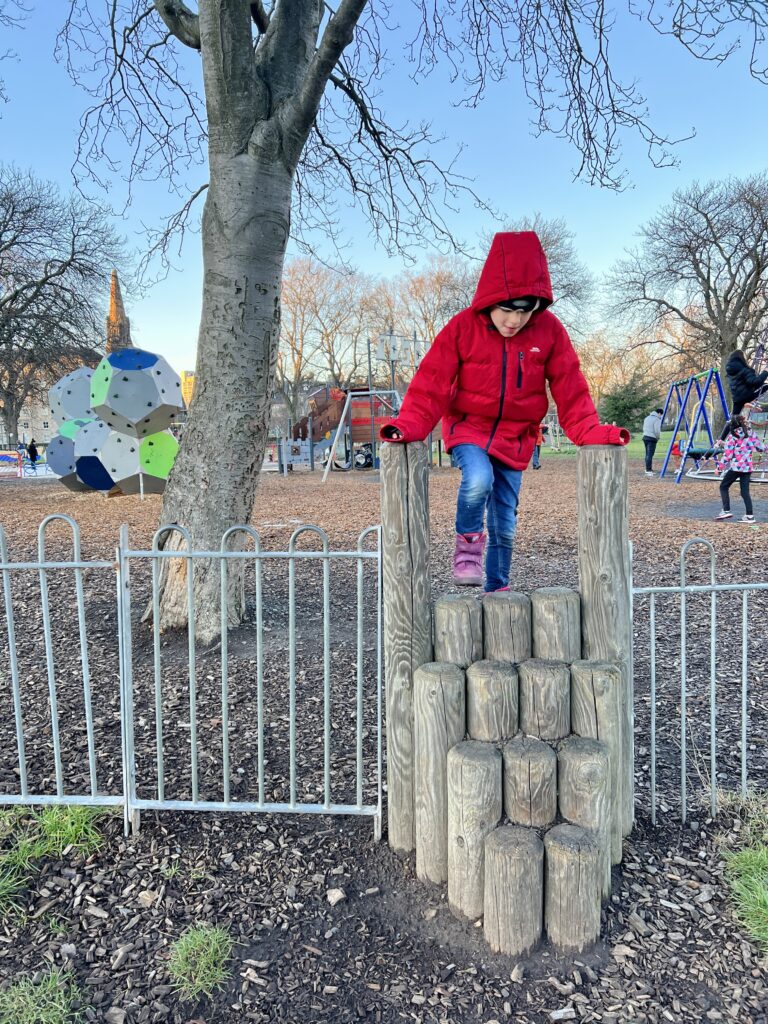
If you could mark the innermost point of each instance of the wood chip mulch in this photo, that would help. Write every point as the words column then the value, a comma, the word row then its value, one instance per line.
column 328, row 925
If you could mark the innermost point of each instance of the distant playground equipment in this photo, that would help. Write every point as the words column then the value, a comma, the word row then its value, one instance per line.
column 10, row 463
column 340, row 431
column 114, row 424
column 688, row 401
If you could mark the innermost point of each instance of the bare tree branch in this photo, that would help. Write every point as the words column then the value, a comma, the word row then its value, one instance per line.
column 339, row 33
column 181, row 22
column 260, row 16
column 702, row 264
column 54, row 257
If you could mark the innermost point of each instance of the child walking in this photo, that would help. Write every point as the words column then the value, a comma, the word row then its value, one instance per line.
column 738, row 464
column 486, row 375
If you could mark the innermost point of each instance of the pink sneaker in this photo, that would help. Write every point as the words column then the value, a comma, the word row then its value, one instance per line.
column 500, row 590
column 468, row 559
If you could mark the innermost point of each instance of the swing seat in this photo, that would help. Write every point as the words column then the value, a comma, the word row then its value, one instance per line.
column 701, row 453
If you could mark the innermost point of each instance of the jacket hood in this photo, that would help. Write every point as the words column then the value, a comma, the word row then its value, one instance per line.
column 735, row 361
column 515, row 266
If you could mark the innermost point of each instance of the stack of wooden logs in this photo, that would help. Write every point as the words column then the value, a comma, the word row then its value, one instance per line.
column 518, row 766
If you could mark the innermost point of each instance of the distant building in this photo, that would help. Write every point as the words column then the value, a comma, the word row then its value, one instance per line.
column 118, row 324
column 187, row 386
column 36, row 419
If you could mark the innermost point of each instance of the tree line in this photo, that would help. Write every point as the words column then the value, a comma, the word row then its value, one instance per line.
column 693, row 289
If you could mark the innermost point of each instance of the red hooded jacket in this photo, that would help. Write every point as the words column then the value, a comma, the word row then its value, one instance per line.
column 490, row 390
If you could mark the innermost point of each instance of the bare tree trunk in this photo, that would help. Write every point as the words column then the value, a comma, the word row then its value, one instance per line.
column 213, row 484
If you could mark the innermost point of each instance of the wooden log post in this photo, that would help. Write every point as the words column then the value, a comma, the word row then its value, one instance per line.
column 571, row 888
column 605, row 585
column 514, row 890
column 474, row 809
column 583, row 794
column 407, row 619
column 596, row 713
column 439, row 723
column 545, row 699
column 458, row 629
column 507, row 626
column 492, row 701
column 530, row 782
column 556, row 624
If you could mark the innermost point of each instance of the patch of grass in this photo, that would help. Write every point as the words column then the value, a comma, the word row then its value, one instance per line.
column 75, row 827
column 30, row 836
column 55, row 925
column 747, row 869
column 51, row 1000
column 13, row 884
column 748, row 878
column 170, row 871
column 198, row 961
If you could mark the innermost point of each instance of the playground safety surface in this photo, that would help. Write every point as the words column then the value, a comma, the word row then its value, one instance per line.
column 390, row 950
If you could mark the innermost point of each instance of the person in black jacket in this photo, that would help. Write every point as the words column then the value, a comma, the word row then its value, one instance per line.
column 32, row 451
column 745, row 384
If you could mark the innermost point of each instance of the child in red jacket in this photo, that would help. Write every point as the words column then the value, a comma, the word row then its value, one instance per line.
column 485, row 375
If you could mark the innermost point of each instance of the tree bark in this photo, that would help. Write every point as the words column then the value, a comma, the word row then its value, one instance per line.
column 213, row 483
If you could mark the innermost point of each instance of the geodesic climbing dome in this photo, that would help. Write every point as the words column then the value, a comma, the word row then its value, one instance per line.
column 128, row 450
column 136, row 392
column 70, row 397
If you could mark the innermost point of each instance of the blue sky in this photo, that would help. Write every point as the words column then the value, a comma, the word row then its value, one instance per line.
column 515, row 172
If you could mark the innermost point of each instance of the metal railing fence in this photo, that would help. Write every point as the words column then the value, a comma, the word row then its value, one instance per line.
column 159, row 752
column 709, row 641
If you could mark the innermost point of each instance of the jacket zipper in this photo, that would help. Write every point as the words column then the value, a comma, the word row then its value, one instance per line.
column 519, row 369
column 501, row 397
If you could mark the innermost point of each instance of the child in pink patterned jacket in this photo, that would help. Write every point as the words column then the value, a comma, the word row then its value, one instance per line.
column 736, row 461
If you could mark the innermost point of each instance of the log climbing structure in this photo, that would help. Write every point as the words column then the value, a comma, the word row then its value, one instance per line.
column 509, row 719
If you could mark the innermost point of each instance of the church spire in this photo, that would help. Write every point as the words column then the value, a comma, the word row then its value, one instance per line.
column 118, row 324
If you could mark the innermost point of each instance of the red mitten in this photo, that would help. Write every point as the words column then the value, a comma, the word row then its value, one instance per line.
column 391, row 432
column 603, row 433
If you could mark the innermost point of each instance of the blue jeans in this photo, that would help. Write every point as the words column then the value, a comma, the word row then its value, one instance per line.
column 488, row 484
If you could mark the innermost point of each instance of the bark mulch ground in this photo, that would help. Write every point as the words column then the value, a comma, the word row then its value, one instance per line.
column 385, row 948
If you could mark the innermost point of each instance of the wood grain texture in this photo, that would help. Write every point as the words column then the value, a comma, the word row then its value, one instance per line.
column 605, row 585
column 492, row 701
column 583, row 794
column 513, row 903
column 407, row 620
column 530, row 782
column 507, row 626
column 571, row 888
column 596, row 713
column 458, row 629
column 556, row 624
column 474, row 809
column 439, row 723
column 545, row 699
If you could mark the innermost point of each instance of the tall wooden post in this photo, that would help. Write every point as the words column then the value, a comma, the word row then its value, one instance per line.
column 407, row 619
column 605, row 583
